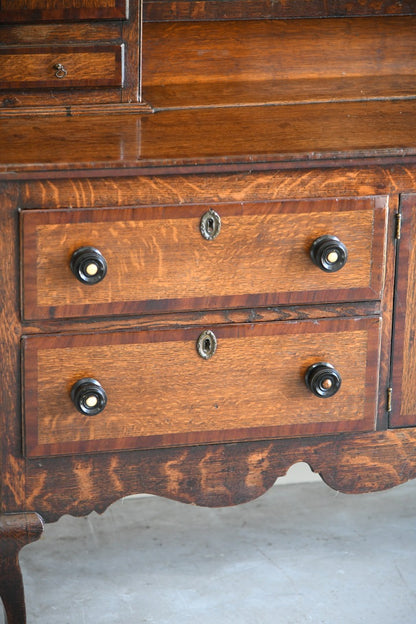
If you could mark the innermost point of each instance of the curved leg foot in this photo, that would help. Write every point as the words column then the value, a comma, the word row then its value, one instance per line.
column 16, row 530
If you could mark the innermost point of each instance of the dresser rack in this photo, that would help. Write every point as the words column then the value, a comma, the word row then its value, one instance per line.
column 208, row 216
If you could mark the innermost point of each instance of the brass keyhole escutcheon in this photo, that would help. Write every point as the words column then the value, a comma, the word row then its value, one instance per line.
column 206, row 344
column 210, row 225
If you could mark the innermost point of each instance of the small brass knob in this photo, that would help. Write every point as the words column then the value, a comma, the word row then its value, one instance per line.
column 329, row 253
column 88, row 396
column 61, row 72
column 88, row 265
column 323, row 380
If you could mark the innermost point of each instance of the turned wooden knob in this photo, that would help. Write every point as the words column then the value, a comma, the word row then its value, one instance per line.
column 323, row 379
column 88, row 396
column 328, row 253
column 88, row 265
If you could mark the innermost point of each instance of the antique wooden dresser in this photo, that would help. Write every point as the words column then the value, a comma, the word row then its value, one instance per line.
column 208, row 226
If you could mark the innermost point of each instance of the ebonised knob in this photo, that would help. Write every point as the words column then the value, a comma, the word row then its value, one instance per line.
column 328, row 253
column 323, row 379
column 88, row 396
column 88, row 265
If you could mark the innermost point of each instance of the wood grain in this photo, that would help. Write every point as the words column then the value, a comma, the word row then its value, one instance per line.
column 39, row 10
column 192, row 10
column 387, row 315
column 16, row 530
column 279, row 92
column 248, row 186
column 271, row 136
column 218, row 475
column 132, row 38
column 12, row 482
column 158, row 260
column 404, row 353
column 102, row 58
column 98, row 66
column 278, row 51
column 179, row 320
column 54, row 33
column 161, row 392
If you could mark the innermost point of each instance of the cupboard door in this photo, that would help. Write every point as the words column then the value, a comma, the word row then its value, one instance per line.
column 43, row 10
column 403, row 412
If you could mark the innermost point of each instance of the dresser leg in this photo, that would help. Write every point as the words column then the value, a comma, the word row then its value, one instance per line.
column 16, row 530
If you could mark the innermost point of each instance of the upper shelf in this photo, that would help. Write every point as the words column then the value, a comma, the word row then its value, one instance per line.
column 290, row 135
column 243, row 94
column 278, row 62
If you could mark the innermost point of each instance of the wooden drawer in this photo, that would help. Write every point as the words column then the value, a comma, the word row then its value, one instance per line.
column 61, row 66
column 46, row 10
column 162, row 392
column 157, row 258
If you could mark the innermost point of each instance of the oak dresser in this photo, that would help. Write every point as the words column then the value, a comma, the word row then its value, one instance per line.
column 208, row 225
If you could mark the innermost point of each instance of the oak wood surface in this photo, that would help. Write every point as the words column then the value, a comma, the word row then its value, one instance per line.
column 132, row 37
column 279, row 91
column 39, row 10
column 218, row 475
column 53, row 33
column 98, row 66
column 161, row 392
column 276, row 52
column 325, row 133
column 387, row 307
column 225, row 125
column 102, row 60
column 16, row 530
column 404, row 353
column 178, row 320
column 191, row 10
column 41, row 102
column 158, row 260
column 12, row 482
column 248, row 186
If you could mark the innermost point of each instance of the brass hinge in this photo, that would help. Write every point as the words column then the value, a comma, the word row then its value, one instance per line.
column 389, row 399
column 398, row 231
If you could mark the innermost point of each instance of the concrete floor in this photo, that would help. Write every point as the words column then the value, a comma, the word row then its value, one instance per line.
column 301, row 553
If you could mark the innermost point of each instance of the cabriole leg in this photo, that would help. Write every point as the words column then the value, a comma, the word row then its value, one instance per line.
column 16, row 530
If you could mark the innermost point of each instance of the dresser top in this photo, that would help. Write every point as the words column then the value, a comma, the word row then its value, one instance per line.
column 208, row 138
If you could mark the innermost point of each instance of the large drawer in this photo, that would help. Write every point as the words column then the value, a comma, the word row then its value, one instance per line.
column 157, row 259
column 163, row 389
column 62, row 67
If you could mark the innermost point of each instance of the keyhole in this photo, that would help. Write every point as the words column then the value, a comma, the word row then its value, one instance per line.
column 206, row 344
column 210, row 225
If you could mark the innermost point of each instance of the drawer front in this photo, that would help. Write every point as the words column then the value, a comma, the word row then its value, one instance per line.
column 46, row 10
column 62, row 67
column 163, row 390
column 157, row 258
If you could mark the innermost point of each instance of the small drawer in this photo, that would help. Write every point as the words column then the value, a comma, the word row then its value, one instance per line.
column 49, row 10
column 61, row 67
column 201, row 257
column 149, row 389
